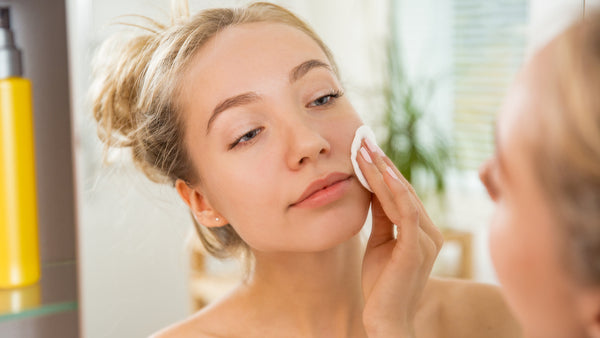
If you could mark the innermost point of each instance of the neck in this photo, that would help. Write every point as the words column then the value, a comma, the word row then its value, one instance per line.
column 319, row 293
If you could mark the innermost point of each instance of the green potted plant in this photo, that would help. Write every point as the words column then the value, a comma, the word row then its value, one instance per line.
column 417, row 147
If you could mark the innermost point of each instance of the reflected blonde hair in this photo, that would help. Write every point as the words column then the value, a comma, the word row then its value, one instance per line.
column 135, row 90
column 568, row 156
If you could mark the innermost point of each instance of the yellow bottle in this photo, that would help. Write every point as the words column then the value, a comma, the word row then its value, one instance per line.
column 19, row 251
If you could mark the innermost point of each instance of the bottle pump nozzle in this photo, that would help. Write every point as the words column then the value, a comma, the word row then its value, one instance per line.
column 4, row 18
column 10, row 55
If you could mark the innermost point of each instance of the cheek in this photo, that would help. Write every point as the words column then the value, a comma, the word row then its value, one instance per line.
column 246, row 192
column 342, row 130
column 514, row 249
column 524, row 255
column 505, row 246
column 245, row 189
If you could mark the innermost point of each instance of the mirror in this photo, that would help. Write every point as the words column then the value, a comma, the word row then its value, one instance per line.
column 135, row 236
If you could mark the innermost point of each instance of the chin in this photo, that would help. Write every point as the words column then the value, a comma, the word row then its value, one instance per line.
column 342, row 225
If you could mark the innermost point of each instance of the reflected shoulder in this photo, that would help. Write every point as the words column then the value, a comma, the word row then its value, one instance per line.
column 471, row 309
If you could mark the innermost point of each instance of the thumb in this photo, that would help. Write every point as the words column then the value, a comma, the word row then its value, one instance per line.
column 383, row 229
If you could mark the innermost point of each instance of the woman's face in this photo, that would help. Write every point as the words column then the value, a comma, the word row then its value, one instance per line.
column 525, row 240
column 266, row 125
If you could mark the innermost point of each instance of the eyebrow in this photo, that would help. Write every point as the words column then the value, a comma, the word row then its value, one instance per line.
column 249, row 97
column 234, row 101
column 303, row 68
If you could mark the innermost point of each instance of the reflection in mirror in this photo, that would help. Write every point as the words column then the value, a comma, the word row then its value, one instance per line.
column 142, row 266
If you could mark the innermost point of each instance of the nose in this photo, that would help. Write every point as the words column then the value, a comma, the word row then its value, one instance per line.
column 484, row 171
column 306, row 144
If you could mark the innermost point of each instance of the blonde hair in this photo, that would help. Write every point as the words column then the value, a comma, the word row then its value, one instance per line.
column 568, row 158
column 135, row 92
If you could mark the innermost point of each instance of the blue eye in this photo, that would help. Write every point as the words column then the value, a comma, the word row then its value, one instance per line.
column 246, row 137
column 322, row 100
column 325, row 100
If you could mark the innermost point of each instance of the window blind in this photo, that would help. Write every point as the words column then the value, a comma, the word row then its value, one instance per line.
column 488, row 48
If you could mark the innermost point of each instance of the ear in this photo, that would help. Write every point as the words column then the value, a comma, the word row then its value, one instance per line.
column 589, row 307
column 200, row 207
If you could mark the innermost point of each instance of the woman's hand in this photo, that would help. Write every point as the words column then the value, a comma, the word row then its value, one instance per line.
column 395, row 268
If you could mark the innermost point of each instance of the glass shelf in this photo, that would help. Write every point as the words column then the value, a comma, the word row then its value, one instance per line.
column 55, row 292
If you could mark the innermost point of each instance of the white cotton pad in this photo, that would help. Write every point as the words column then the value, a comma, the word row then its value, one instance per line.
column 361, row 133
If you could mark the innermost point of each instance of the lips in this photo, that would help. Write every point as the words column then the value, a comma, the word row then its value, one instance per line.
column 321, row 185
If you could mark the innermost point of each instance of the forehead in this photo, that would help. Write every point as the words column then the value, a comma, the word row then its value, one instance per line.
column 514, row 112
column 240, row 56
column 522, row 122
column 530, row 99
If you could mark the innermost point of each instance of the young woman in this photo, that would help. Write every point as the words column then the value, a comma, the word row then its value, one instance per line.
column 545, row 180
column 243, row 111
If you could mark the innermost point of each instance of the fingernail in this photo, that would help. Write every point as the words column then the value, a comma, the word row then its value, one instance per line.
column 374, row 148
column 392, row 173
column 365, row 155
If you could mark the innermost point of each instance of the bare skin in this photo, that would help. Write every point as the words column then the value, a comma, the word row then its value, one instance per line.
column 312, row 277
column 448, row 308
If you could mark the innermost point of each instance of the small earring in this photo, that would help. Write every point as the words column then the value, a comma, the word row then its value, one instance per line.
column 217, row 219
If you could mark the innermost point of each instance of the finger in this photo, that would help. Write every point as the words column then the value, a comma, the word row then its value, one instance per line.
column 429, row 249
column 425, row 222
column 410, row 266
column 393, row 203
column 400, row 200
column 374, row 176
column 389, row 162
column 392, row 166
column 395, row 198
column 382, row 230
column 414, row 256
column 388, row 170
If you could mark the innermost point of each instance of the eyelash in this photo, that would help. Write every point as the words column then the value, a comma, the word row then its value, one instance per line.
column 334, row 94
column 254, row 132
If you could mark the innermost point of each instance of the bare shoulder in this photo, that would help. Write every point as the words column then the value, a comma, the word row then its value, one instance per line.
column 468, row 295
column 215, row 320
column 198, row 325
column 471, row 309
